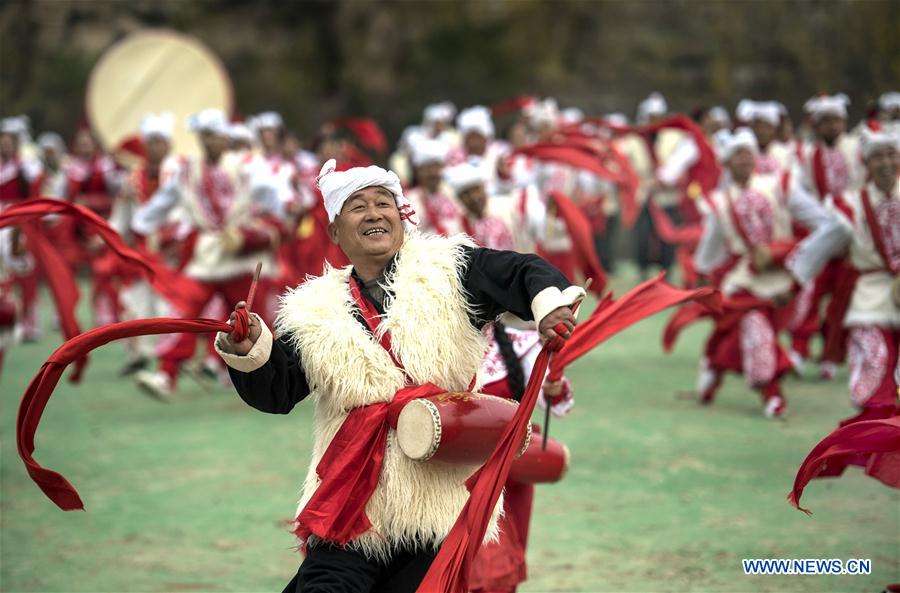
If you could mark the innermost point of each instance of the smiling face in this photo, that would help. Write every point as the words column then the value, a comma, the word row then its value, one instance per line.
column 741, row 164
column 883, row 166
column 368, row 229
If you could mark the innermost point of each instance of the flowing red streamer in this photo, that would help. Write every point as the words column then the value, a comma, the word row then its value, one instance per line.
column 53, row 484
column 878, row 438
column 582, row 242
column 639, row 303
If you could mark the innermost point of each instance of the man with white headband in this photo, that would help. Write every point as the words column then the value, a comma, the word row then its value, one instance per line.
column 231, row 222
column 408, row 311
column 139, row 301
column 747, row 235
column 829, row 165
column 868, row 234
column 430, row 197
column 51, row 182
column 764, row 118
column 479, row 146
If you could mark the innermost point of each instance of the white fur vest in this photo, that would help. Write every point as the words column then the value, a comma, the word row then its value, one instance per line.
column 415, row 503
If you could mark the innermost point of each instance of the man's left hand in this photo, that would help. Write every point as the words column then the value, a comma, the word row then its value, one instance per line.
column 562, row 315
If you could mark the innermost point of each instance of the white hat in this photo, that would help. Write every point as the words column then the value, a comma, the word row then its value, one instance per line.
column 542, row 113
column 208, row 120
column 476, row 119
column 266, row 119
column 768, row 111
column 444, row 111
column 616, row 118
column 654, row 104
column 338, row 186
column 819, row 107
column 874, row 141
column 51, row 140
column 162, row 124
column 720, row 114
column 889, row 101
column 727, row 142
column 18, row 125
column 240, row 131
column 571, row 115
column 463, row 176
column 427, row 150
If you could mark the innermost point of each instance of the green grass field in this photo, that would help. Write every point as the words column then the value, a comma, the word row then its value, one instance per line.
column 662, row 495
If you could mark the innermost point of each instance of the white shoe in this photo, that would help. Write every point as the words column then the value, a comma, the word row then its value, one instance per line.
column 775, row 407
column 156, row 384
column 827, row 371
column 797, row 361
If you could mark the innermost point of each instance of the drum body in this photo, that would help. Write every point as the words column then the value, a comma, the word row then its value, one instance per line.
column 539, row 466
column 155, row 71
column 455, row 427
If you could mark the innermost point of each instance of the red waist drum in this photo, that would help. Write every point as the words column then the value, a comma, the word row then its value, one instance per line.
column 455, row 427
column 539, row 466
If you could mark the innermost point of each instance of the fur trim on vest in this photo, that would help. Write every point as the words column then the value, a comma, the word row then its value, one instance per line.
column 415, row 503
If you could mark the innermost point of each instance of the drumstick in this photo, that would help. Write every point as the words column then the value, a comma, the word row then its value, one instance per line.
column 253, row 284
column 587, row 284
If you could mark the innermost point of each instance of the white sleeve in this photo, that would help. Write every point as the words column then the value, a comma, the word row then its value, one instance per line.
column 805, row 208
column 154, row 213
column 828, row 240
column 675, row 167
column 711, row 251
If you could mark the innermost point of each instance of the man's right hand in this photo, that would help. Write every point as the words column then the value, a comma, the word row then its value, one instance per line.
column 243, row 347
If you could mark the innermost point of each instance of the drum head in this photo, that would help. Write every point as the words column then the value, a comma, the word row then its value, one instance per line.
column 153, row 71
column 419, row 429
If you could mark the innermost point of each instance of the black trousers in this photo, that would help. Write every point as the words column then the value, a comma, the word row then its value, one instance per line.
column 331, row 569
column 650, row 247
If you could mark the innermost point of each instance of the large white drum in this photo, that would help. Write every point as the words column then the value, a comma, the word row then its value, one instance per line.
column 152, row 71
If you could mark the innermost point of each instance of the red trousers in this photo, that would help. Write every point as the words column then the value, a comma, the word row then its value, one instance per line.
column 812, row 321
column 175, row 349
column 873, row 356
column 748, row 344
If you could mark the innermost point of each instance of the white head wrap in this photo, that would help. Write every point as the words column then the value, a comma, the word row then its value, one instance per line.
column 240, row 131
column 18, row 125
column 463, row 176
column 338, row 186
column 427, row 150
column 874, row 141
column 768, row 111
column 542, row 113
column 727, row 142
column 889, row 101
column 52, row 140
column 571, row 116
column 266, row 119
column 655, row 104
column 476, row 119
column 162, row 124
column 208, row 120
column 720, row 114
column 436, row 112
column 819, row 107
column 616, row 118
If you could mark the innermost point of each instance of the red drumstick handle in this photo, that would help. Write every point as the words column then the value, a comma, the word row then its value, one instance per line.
column 253, row 285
